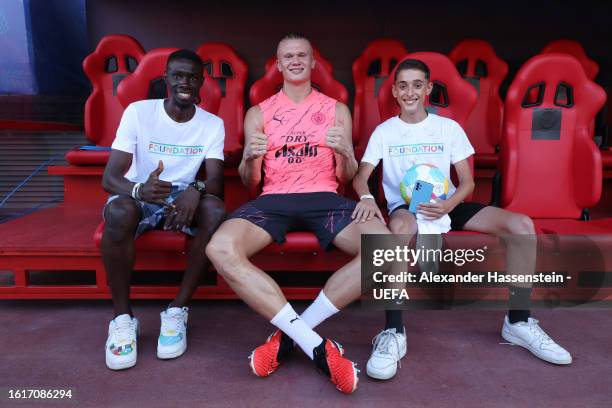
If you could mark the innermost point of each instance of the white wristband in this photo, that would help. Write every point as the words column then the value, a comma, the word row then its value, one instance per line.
column 370, row 196
column 135, row 192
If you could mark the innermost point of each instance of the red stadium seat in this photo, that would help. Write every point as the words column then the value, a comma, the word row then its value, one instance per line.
column 230, row 71
column 551, row 168
column 156, row 240
column 321, row 60
column 147, row 82
column 79, row 157
column 606, row 159
column 478, row 64
column 606, row 152
column 115, row 57
column 452, row 97
column 370, row 70
column 272, row 81
column 575, row 49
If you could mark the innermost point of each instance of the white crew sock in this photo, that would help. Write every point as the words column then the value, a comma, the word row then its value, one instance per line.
column 318, row 311
column 288, row 321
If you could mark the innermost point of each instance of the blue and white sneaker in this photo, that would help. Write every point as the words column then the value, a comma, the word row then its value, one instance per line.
column 172, row 341
column 120, row 346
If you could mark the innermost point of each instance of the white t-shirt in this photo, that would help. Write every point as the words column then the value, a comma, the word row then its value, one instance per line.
column 151, row 135
column 435, row 140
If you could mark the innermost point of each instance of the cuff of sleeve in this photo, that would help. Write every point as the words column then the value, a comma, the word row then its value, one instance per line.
column 463, row 157
column 372, row 162
column 124, row 148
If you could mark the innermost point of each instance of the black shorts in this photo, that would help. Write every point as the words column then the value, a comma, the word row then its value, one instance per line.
column 459, row 216
column 325, row 214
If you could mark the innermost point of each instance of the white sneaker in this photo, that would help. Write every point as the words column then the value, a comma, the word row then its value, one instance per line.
column 389, row 348
column 120, row 346
column 172, row 341
column 531, row 336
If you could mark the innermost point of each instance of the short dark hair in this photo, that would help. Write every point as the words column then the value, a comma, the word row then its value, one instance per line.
column 188, row 55
column 412, row 64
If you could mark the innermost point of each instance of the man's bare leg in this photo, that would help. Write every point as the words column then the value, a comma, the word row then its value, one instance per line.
column 229, row 251
column 233, row 244
column 121, row 216
column 344, row 286
column 230, row 257
column 209, row 216
column 172, row 341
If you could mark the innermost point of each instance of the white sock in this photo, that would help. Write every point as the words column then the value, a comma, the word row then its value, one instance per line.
column 318, row 311
column 290, row 323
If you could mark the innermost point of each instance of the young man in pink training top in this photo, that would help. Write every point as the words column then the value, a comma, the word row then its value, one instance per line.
column 303, row 140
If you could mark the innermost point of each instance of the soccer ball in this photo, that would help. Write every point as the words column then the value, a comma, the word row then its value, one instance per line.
column 424, row 172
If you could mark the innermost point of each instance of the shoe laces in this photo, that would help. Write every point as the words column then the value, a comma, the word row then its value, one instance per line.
column 123, row 333
column 538, row 332
column 383, row 341
column 172, row 322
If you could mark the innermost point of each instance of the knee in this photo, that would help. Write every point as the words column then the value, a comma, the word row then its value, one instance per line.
column 222, row 252
column 399, row 226
column 121, row 218
column 521, row 225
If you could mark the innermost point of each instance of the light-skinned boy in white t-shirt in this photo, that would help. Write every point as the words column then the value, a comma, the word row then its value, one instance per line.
column 418, row 137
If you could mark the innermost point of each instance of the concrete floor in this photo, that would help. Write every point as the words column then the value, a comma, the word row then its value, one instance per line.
column 454, row 359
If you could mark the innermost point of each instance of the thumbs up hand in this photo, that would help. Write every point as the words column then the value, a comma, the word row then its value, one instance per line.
column 155, row 173
column 155, row 190
column 256, row 147
column 335, row 137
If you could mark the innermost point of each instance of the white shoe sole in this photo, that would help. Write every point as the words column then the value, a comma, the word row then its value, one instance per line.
column 120, row 366
column 518, row 342
column 163, row 355
column 383, row 375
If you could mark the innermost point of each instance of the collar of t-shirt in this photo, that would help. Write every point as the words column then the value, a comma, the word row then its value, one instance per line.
column 414, row 126
column 173, row 122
